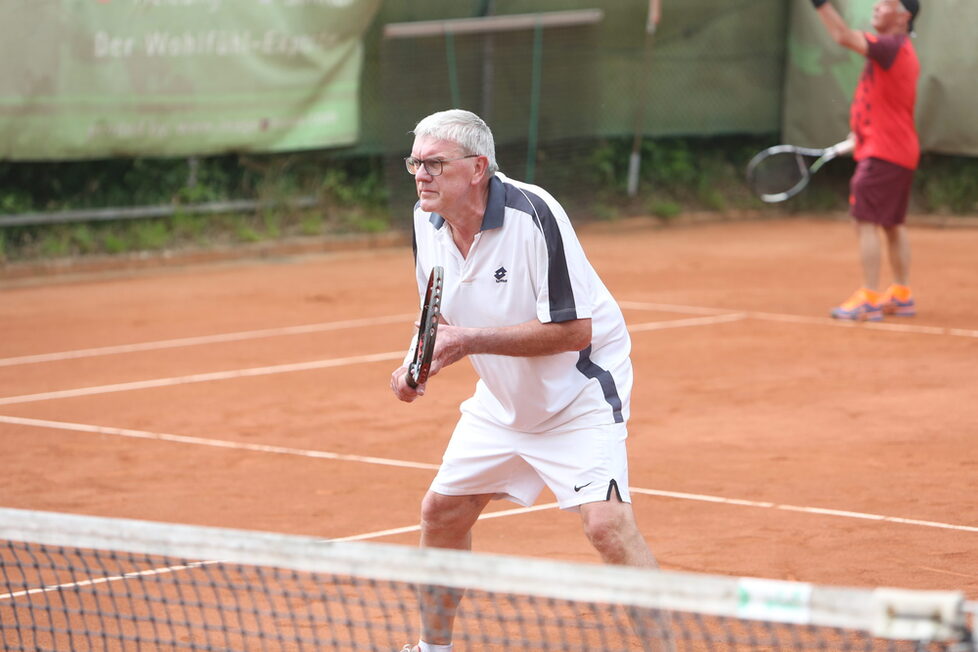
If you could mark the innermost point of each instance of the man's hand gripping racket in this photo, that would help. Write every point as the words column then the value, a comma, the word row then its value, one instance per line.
column 424, row 347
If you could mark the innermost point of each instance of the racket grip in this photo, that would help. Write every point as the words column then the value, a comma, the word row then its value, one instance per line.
column 845, row 147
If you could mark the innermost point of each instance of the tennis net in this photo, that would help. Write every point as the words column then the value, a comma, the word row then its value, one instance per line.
column 90, row 583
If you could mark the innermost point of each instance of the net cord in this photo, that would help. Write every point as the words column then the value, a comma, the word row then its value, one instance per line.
column 929, row 615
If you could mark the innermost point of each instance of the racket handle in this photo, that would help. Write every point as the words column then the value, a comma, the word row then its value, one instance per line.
column 845, row 147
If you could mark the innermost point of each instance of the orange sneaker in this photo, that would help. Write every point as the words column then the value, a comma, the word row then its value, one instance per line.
column 898, row 301
column 863, row 305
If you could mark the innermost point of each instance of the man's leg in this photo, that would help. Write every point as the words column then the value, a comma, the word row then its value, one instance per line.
column 610, row 527
column 446, row 522
column 869, row 254
column 898, row 249
column 864, row 304
column 898, row 300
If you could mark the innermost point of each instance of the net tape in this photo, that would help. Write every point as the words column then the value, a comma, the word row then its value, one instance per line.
column 80, row 582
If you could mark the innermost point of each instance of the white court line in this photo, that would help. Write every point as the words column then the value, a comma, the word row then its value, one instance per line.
column 217, row 443
column 104, row 580
column 199, row 441
column 671, row 307
column 288, row 368
column 204, row 339
column 353, row 323
column 203, row 378
column 800, row 319
column 417, row 528
column 683, row 323
column 713, row 316
column 806, row 510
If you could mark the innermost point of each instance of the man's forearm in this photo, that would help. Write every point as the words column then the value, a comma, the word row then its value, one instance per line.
column 531, row 338
column 837, row 28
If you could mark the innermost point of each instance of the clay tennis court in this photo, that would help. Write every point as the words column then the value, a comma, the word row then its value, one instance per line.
column 766, row 440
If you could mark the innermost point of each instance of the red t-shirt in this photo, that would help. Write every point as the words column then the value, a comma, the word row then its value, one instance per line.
column 882, row 112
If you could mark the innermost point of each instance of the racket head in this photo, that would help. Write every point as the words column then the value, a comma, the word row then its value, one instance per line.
column 779, row 173
column 427, row 329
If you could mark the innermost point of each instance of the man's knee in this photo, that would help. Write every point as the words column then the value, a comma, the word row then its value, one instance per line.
column 450, row 515
column 893, row 233
column 436, row 513
column 607, row 523
column 611, row 528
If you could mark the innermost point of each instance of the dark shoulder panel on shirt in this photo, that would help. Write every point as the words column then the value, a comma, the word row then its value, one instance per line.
column 519, row 200
column 883, row 49
column 562, row 303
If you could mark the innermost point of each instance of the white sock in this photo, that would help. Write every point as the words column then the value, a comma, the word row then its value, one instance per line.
column 431, row 647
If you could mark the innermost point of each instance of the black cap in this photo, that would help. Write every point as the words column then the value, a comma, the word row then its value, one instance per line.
column 913, row 6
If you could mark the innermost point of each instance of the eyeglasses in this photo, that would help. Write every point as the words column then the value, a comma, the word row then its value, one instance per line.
column 432, row 165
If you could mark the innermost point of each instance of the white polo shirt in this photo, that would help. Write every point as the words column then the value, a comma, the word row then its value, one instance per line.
column 527, row 263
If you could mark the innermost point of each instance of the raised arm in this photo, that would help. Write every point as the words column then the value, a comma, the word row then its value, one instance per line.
column 837, row 28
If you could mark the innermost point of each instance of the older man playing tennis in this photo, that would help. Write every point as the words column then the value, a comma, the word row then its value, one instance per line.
column 547, row 340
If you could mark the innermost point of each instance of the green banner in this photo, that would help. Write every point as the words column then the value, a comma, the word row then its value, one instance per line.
column 98, row 78
column 822, row 76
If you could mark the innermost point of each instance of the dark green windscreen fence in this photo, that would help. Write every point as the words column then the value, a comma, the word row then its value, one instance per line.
column 712, row 68
column 554, row 84
column 522, row 75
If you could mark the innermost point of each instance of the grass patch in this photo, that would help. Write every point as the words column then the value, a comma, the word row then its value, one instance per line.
column 665, row 210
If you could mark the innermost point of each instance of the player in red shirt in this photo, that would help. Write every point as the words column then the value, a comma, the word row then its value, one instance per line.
column 887, row 151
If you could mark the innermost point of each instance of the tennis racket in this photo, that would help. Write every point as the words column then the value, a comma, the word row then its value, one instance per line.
column 781, row 172
column 427, row 328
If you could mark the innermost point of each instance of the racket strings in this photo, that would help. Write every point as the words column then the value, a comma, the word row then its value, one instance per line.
column 778, row 173
column 427, row 329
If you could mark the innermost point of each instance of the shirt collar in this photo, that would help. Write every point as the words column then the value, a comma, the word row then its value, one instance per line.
column 495, row 205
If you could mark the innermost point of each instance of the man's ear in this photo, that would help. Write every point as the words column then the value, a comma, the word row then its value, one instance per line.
column 481, row 170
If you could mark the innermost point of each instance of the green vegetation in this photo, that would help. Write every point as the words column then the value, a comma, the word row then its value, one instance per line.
column 702, row 174
column 707, row 174
column 948, row 184
column 348, row 195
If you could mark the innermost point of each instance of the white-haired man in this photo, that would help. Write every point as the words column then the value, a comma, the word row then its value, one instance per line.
column 547, row 340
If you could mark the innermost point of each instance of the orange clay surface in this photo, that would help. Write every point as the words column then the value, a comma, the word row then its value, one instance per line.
column 753, row 413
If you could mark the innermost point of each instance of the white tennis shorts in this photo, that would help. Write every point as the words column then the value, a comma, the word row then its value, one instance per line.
column 579, row 466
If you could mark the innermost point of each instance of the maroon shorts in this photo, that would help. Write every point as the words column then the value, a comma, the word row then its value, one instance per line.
column 879, row 192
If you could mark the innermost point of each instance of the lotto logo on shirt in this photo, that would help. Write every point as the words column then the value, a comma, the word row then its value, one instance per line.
column 500, row 275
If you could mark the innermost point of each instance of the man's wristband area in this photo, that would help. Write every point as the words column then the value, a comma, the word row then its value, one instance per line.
column 818, row 3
